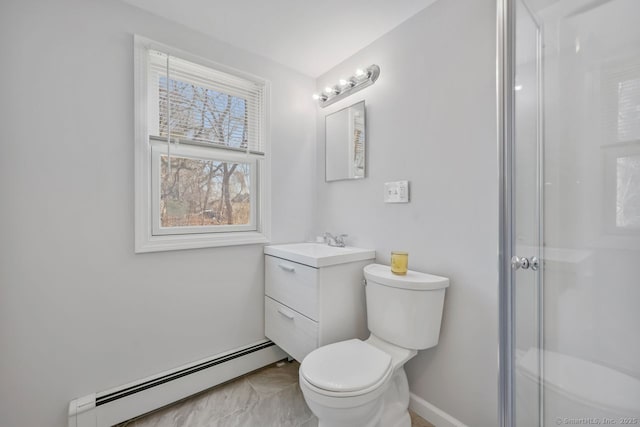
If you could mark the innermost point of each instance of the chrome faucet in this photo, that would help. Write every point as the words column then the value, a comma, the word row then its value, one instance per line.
column 338, row 240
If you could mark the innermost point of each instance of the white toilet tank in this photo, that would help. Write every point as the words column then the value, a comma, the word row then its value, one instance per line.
column 404, row 310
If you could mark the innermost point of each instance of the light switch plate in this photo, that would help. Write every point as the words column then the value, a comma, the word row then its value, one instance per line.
column 396, row 192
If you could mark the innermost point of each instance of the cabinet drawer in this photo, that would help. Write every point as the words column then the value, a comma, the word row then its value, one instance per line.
column 290, row 330
column 295, row 285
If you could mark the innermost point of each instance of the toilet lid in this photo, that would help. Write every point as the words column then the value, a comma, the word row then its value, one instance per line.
column 345, row 366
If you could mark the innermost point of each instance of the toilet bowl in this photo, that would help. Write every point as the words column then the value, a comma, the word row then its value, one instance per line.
column 339, row 390
column 363, row 383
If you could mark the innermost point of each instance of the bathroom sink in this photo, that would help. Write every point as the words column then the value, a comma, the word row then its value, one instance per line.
column 319, row 254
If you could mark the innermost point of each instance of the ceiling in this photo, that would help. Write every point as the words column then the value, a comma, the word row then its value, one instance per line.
column 308, row 36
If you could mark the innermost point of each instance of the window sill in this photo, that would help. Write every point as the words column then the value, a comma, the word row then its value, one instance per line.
column 197, row 241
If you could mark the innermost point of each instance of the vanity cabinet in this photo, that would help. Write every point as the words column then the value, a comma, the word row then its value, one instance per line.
column 310, row 306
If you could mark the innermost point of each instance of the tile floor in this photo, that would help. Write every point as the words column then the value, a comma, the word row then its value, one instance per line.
column 268, row 397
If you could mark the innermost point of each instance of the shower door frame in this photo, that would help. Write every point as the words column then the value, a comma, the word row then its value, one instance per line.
column 506, row 107
column 504, row 81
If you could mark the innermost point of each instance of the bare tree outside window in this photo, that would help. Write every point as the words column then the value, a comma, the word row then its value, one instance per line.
column 198, row 192
column 204, row 192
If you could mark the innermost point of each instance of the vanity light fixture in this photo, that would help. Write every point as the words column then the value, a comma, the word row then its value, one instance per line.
column 344, row 83
column 346, row 87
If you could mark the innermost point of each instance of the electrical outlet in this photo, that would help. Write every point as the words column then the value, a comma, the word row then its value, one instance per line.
column 396, row 192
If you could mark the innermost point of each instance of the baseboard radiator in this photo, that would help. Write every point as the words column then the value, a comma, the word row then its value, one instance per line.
column 106, row 408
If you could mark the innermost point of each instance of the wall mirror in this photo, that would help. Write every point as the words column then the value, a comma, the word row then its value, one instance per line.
column 345, row 143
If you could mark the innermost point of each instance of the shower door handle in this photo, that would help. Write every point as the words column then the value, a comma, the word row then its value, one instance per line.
column 524, row 263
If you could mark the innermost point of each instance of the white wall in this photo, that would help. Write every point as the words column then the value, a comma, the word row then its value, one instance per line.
column 79, row 311
column 431, row 119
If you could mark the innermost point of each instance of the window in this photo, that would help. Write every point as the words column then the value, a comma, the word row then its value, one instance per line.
column 627, row 194
column 201, row 152
column 621, row 94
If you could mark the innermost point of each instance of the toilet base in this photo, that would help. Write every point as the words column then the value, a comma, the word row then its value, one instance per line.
column 369, row 420
column 404, row 421
column 391, row 410
column 395, row 411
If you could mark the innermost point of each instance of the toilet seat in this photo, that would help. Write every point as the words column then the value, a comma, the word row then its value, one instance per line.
column 347, row 368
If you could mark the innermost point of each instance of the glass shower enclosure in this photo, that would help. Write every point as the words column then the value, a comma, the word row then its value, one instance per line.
column 569, row 113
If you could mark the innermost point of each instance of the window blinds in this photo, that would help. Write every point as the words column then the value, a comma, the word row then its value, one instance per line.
column 621, row 106
column 629, row 108
column 195, row 103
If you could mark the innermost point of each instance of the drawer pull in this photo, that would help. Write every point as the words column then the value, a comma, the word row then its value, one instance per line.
column 287, row 315
column 286, row 267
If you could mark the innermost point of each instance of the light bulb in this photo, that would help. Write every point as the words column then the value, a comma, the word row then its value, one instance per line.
column 328, row 89
column 360, row 72
column 518, row 87
column 343, row 82
column 315, row 96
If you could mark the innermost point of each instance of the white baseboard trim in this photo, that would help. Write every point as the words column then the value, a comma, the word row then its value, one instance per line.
column 431, row 413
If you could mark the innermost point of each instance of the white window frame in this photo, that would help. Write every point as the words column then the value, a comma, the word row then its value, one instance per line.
column 149, row 237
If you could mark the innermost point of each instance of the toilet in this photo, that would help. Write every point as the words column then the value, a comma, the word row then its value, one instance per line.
column 357, row 383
